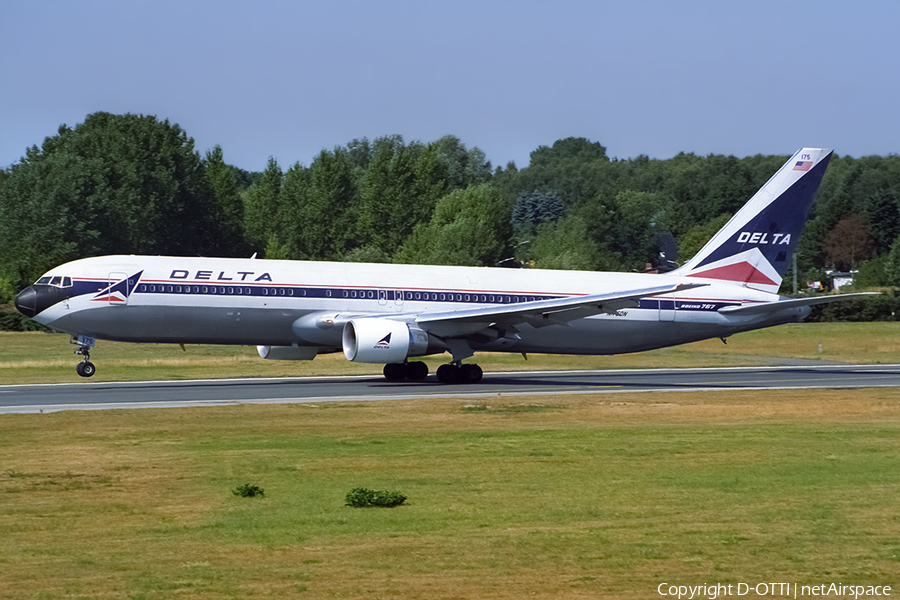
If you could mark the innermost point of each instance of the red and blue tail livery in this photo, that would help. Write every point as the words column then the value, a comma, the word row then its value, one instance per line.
column 755, row 247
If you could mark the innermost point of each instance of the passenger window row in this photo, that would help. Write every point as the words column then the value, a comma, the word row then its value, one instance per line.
column 388, row 295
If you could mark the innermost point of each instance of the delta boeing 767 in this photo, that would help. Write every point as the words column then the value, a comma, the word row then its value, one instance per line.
column 389, row 314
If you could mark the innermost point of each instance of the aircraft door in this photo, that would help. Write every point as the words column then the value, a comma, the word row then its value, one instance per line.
column 382, row 298
column 667, row 309
column 119, row 289
column 398, row 299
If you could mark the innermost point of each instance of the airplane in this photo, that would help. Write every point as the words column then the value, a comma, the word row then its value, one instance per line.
column 388, row 314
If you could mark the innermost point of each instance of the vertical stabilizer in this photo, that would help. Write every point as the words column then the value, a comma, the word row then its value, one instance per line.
column 755, row 247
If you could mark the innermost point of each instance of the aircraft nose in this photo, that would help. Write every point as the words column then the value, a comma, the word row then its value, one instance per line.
column 26, row 301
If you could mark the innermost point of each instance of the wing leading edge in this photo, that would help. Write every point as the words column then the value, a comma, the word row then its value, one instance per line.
column 559, row 311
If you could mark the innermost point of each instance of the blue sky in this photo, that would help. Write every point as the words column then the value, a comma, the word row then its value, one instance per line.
column 287, row 79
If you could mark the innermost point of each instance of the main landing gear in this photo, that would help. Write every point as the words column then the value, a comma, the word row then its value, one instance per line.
column 417, row 371
column 414, row 371
column 459, row 373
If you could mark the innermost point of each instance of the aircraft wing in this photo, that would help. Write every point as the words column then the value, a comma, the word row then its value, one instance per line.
column 558, row 311
column 765, row 307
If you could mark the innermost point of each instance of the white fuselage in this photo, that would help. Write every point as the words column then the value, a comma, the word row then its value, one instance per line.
column 304, row 304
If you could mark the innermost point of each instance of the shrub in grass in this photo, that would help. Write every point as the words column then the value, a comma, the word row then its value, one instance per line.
column 248, row 491
column 365, row 498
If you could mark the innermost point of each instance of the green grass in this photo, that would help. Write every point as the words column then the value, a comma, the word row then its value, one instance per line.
column 45, row 358
column 554, row 498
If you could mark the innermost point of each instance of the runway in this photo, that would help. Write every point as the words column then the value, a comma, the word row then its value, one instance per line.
column 166, row 394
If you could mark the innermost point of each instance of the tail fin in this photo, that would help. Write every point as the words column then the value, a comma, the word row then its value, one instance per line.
column 755, row 247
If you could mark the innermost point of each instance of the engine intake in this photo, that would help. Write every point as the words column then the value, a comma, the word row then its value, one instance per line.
column 377, row 340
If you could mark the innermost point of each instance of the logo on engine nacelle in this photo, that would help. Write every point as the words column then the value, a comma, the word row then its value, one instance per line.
column 384, row 343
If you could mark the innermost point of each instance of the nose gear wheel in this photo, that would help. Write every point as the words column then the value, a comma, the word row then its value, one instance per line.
column 85, row 368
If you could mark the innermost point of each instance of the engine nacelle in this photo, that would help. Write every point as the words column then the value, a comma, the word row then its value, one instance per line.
column 376, row 340
column 287, row 352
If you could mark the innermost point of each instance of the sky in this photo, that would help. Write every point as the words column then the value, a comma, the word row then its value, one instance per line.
column 287, row 79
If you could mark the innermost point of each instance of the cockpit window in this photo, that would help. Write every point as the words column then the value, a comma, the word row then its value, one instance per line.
column 58, row 281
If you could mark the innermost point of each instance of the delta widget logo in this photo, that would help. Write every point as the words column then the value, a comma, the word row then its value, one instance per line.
column 384, row 343
column 119, row 291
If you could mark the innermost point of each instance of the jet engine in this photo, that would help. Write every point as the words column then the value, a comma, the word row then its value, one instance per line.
column 377, row 340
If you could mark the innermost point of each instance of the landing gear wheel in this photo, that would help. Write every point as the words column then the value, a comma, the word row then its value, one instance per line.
column 85, row 369
column 416, row 371
column 394, row 372
column 449, row 374
column 471, row 373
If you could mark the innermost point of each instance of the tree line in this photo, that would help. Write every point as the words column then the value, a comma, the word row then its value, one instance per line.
column 134, row 184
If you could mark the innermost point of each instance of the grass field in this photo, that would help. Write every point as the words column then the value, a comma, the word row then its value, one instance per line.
column 45, row 358
column 575, row 497
column 555, row 497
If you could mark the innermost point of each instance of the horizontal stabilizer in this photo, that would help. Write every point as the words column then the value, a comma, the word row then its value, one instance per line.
column 769, row 307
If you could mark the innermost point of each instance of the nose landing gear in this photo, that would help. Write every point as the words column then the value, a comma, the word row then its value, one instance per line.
column 85, row 368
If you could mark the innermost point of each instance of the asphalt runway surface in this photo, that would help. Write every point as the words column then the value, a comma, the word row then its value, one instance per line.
column 218, row 392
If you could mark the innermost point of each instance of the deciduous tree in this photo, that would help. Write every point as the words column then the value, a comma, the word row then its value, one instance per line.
column 115, row 184
column 468, row 227
column 849, row 243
